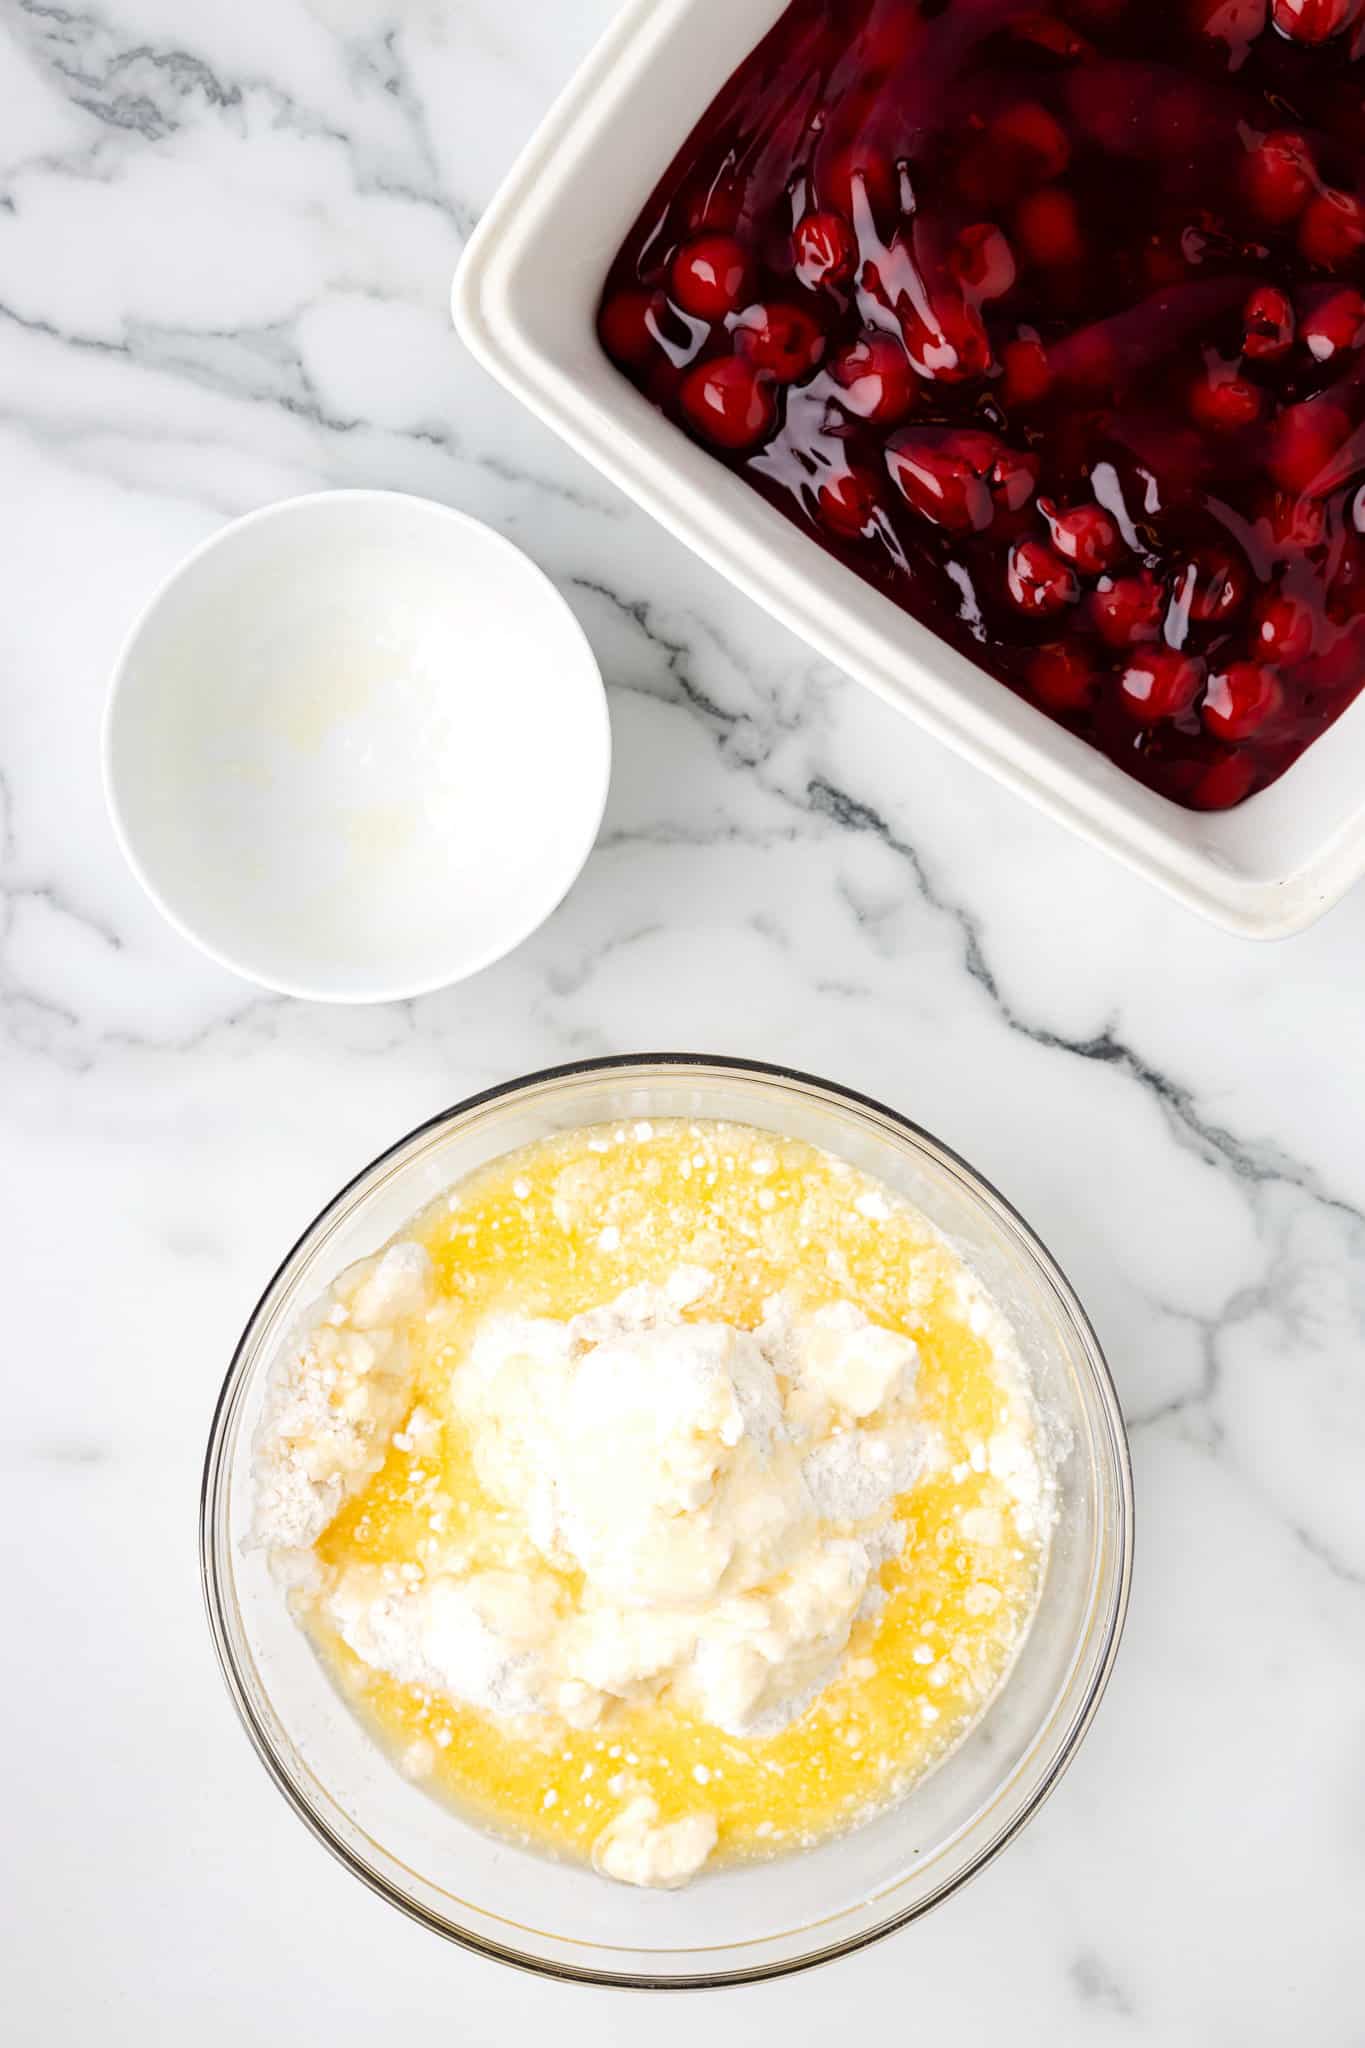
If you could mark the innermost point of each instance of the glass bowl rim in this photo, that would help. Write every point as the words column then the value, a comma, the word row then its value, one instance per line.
column 1110, row 1623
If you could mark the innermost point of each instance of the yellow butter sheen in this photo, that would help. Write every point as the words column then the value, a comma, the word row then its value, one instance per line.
column 570, row 1223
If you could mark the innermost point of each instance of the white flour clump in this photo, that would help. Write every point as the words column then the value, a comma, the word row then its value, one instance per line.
column 489, row 1628
column 335, row 1399
column 636, row 1848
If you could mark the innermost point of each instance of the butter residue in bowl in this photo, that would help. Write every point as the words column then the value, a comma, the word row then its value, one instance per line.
column 676, row 1531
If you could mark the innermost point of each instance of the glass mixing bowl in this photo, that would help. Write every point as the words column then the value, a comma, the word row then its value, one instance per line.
column 758, row 1920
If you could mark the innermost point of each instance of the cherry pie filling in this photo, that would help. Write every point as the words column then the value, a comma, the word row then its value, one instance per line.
column 1050, row 322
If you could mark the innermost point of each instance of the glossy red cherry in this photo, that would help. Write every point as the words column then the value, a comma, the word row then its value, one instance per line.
column 1278, row 175
column 1047, row 228
column 1335, row 327
column 953, row 348
column 786, row 341
column 709, row 275
column 1303, row 441
column 983, row 262
column 1268, row 321
column 1283, row 629
column 626, row 325
column 1221, row 586
column 1161, row 683
column 876, row 379
column 729, row 401
column 1224, row 402
column 1032, row 141
column 1063, row 677
column 1024, row 145
column 1314, row 21
column 849, row 502
column 1224, row 783
column 944, row 474
column 825, row 249
column 1128, row 609
column 1332, row 230
column 1240, row 699
column 1038, row 580
column 1084, row 535
column 1027, row 376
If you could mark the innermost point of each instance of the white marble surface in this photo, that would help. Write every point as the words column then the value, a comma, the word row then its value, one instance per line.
column 226, row 237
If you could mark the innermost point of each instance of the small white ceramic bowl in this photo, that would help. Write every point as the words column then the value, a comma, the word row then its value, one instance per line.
column 356, row 747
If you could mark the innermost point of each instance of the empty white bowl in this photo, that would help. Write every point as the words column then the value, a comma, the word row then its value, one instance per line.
column 356, row 746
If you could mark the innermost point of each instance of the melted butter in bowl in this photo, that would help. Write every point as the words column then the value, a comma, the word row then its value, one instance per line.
column 668, row 1494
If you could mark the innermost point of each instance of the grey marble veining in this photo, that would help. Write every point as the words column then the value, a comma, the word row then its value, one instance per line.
column 226, row 240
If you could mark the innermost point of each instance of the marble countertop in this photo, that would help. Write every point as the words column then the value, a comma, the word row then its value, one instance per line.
column 226, row 240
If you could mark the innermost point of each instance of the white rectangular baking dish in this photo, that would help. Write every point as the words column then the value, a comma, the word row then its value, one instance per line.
column 524, row 302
